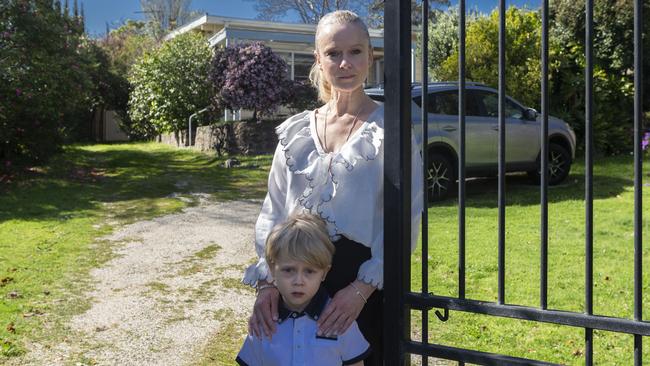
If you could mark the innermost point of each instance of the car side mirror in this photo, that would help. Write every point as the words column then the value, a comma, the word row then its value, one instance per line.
column 530, row 114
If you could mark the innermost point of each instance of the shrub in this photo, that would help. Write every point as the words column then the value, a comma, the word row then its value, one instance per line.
column 482, row 53
column 169, row 84
column 613, row 84
column 51, row 78
column 124, row 46
column 302, row 96
column 249, row 76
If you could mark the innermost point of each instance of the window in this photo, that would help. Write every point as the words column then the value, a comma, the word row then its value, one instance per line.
column 513, row 110
column 445, row 102
column 487, row 105
column 302, row 66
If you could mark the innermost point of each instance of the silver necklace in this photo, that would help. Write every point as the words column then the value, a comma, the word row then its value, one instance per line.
column 354, row 122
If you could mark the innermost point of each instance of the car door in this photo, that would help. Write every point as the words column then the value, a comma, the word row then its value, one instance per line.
column 481, row 131
column 522, row 135
column 416, row 117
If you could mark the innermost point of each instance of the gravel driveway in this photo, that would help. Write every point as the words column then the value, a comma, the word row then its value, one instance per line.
column 165, row 294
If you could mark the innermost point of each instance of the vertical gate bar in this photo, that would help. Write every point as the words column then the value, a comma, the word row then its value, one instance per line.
column 461, row 152
column 638, row 174
column 543, row 282
column 589, row 199
column 502, row 150
column 425, row 143
column 397, row 187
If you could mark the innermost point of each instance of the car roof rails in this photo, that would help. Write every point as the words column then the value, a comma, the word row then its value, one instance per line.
column 471, row 83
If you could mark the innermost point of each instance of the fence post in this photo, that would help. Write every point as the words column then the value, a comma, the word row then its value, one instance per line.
column 397, row 182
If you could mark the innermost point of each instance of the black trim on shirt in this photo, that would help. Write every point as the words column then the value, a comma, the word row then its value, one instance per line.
column 361, row 357
column 241, row 362
column 332, row 338
column 313, row 309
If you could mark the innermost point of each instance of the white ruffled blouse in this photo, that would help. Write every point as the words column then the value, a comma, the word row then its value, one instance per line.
column 345, row 188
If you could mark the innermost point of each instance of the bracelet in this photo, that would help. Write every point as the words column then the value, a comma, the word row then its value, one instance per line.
column 263, row 287
column 365, row 301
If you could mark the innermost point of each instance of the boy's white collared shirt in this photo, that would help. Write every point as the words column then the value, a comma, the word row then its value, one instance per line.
column 295, row 342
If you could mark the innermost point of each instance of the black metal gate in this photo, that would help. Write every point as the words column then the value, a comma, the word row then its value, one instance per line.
column 399, row 300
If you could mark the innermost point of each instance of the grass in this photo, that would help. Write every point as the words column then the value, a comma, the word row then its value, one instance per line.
column 613, row 229
column 52, row 216
column 225, row 343
column 51, row 219
column 613, row 253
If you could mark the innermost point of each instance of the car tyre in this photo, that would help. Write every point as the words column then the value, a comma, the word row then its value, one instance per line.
column 559, row 165
column 441, row 177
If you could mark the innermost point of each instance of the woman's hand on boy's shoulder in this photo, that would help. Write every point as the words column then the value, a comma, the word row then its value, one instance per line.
column 342, row 311
column 265, row 313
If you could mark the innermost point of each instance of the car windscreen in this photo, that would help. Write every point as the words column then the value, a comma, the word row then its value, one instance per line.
column 377, row 97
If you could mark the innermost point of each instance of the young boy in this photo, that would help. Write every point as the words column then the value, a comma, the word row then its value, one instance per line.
column 299, row 254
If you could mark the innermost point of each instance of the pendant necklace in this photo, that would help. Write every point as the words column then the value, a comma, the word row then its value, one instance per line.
column 354, row 122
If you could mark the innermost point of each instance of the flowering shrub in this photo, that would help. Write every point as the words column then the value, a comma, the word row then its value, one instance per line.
column 645, row 142
column 249, row 76
column 51, row 77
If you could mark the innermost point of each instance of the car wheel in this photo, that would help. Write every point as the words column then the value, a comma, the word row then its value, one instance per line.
column 440, row 177
column 559, row 165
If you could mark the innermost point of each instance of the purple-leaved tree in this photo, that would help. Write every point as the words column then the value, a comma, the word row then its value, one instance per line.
column 249, row 76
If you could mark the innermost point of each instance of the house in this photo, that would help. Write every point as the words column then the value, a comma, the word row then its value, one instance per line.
column 292, row 41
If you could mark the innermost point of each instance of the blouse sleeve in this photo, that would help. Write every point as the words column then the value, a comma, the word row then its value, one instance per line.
column 273, row 212
column 372, row 270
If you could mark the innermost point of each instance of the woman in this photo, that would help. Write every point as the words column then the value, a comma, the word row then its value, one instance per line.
column 330, row 162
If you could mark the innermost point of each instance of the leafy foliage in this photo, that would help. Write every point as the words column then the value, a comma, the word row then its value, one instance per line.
column 613, row 69
column 443, row 38
column 164, row 15
column 169, row 84
column 124, row 46
column 613, row 57
column 482, row 52
column 302, row 96
column 249, row 76
column 52, row 77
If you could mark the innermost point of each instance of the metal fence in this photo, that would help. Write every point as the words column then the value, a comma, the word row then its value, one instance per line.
column 399, row 299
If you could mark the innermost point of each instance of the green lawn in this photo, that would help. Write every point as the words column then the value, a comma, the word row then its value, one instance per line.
column 52, row 216
column 613, row 264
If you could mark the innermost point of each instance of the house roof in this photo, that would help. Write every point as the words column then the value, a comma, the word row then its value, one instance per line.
column 219, row 28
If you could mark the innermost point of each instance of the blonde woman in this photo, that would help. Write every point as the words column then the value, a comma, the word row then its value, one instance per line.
column 329, row 162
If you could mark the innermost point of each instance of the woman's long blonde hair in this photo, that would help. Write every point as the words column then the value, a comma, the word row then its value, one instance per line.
column 316, row 74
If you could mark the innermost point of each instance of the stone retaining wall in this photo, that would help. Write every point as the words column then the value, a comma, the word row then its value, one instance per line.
column 178, row 138
column 234, row 138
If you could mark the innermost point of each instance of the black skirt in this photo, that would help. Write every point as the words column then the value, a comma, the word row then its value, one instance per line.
column 347, row 259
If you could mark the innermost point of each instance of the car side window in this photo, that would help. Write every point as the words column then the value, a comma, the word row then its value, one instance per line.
column 513, row 110
column 445, row 102
column 486, row 103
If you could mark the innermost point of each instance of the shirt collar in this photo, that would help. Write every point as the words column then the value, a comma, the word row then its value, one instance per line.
column 313, row 309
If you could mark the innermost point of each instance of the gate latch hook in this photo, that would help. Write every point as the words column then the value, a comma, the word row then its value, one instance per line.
column 443, row 317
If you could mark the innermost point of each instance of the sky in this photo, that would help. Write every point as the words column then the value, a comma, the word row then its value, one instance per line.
column 116, row 12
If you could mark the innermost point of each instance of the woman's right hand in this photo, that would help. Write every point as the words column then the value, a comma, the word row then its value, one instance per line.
column 265, row 313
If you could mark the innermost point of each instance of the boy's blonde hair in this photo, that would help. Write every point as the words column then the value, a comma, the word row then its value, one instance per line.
column 303, row 237
column 316, row 74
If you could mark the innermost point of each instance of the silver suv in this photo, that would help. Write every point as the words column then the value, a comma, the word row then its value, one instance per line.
column 481, row 138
